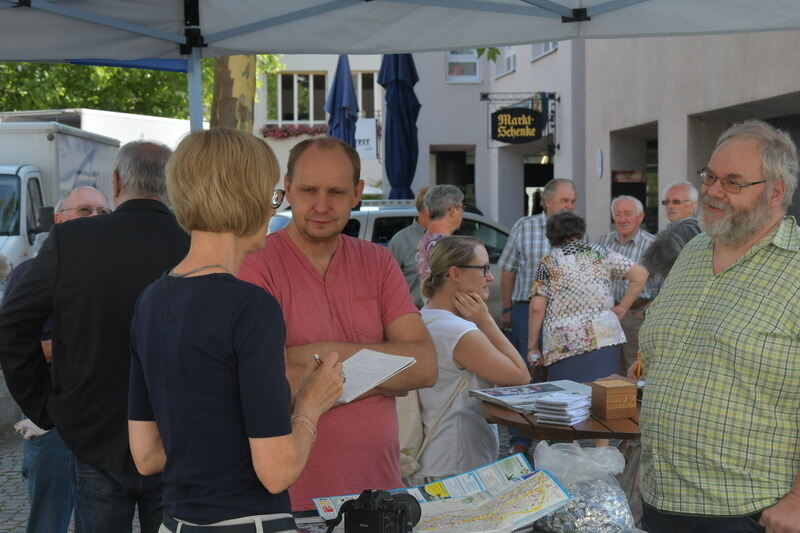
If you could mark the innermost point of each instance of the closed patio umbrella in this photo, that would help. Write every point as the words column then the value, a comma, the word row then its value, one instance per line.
column 398, row 75
column 342, row 105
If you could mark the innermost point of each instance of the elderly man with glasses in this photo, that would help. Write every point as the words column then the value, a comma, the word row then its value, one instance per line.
column 88, row 276
column 46, row 461
column 720, row 418
column 680, row 201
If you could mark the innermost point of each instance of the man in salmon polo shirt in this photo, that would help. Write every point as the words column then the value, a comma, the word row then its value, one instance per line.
column 340, row 294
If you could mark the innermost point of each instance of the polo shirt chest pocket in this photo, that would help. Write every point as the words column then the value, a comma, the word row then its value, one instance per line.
column 366, row 319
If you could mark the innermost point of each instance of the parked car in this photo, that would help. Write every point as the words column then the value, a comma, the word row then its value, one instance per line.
column 378, row 220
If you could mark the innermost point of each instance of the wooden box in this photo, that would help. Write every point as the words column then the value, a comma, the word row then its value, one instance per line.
column 613, row 399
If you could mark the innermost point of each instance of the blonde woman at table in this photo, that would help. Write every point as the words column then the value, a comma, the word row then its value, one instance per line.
column 471, row 351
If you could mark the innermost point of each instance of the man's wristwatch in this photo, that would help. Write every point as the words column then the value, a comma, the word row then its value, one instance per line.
column 507, row 310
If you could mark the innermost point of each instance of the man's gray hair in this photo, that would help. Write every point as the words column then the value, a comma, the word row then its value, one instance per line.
column 777, row 149
column 636, row 203
column 691, row 189
column 67, row 194
column 140, row 165
column 552, row 186
column 440, row 198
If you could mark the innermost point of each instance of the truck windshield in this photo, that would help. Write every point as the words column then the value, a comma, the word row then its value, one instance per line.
column 9, row 204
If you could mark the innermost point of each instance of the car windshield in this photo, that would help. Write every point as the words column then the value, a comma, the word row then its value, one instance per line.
column 9, row 204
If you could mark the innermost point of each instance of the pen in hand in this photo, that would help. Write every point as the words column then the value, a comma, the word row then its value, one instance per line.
column 317, row 359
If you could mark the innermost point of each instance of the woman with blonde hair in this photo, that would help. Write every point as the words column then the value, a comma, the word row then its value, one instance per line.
column 472, row 353
column 209, row 403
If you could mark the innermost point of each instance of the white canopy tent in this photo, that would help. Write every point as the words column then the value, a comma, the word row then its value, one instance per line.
column 56, row 30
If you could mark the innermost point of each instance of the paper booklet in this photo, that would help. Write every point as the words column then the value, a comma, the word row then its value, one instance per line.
column 522, row 398
column 366, row 369
column 496, row 498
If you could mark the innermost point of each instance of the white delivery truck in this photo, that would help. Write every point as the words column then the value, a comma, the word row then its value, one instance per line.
column 40, row 161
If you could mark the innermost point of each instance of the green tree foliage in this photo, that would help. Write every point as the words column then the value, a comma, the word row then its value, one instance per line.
column 32, row 86
column 491, row 53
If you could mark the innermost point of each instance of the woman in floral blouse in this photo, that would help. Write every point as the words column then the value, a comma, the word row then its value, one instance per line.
column 571, row 297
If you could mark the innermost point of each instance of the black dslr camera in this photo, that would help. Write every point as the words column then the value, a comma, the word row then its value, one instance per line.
column 377, row 511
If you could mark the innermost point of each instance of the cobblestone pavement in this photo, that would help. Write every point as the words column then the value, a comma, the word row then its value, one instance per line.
column 13, row 492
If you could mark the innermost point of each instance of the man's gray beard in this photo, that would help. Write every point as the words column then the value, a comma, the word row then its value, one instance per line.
column 735, row 227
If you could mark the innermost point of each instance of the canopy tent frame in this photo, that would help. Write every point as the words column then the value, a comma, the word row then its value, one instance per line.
column 378, row 26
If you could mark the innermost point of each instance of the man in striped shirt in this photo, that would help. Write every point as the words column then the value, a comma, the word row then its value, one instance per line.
column 720, row 417
column 526, row 245
column 630, row 240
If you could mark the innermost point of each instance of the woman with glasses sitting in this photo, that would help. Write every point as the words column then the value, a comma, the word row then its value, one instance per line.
column 209, row 404
column 472, row 353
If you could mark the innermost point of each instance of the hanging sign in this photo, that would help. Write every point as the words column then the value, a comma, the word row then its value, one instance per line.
column 517, row 125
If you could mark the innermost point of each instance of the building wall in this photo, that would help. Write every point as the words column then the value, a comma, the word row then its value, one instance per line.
column 691, row 88
column 371, row 170
column 453, row 116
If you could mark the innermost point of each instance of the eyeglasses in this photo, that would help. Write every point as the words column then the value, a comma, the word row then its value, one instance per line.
column 458, row 206
column 87, row 210
column 277, row 198
column 485, row 268
column 674, row 201
column 727, row 184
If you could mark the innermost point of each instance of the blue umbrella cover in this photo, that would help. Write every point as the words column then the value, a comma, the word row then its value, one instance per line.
column 342, row 104
column 398, row 75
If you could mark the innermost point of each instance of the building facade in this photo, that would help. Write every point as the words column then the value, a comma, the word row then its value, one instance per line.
column 630, row 116
column 293, row 101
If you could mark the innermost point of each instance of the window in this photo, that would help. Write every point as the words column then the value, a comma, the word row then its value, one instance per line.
column 542, row 49
column 492, row 238
column 9, row 205
column 364, row 83
column 384, row 228
column 507, row 62
column 462, row 66
column 34, row 203
column 297, row 98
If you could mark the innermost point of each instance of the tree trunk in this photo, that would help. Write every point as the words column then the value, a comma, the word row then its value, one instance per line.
column 234, row 92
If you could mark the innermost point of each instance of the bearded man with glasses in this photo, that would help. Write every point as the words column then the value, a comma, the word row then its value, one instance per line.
column 720, row 350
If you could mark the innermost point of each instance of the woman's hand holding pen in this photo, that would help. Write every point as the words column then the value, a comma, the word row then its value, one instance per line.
column 321, row 388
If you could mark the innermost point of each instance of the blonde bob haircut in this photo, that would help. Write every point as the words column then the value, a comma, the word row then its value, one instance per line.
column 447, row 252
column 221, row 180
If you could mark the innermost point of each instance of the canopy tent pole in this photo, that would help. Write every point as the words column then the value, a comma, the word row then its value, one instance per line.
column 195, row 80
column 194, row 71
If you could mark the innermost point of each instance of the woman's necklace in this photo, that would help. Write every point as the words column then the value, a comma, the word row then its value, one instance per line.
column 196, row 270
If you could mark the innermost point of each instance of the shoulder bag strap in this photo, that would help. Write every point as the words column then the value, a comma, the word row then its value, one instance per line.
column 427, row 438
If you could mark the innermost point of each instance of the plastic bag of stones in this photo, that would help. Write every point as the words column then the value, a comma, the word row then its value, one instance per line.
column 598, row 502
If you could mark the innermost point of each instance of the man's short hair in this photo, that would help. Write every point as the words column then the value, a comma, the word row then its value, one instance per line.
column 564, row 227
column 637, row 204
column 140, row 166
column 552, row 186
column 440, row 198
column 419, row 199
column 326, row 143
column 221, row 180
column 777, row 149
column 690, row 189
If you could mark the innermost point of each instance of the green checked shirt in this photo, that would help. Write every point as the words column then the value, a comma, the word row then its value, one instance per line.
column 720, row 418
